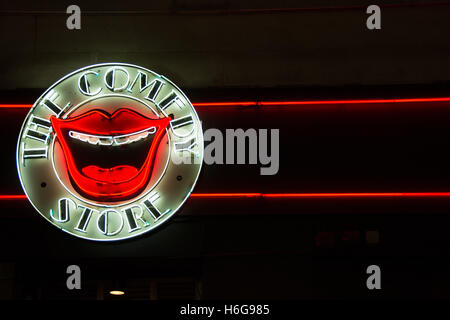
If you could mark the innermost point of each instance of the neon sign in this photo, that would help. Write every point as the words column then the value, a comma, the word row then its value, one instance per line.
column 106, row 152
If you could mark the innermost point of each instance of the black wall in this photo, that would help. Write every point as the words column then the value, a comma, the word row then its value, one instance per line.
column 253, row 248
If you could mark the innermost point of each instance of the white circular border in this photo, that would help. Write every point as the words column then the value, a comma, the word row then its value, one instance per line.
column 170, row 214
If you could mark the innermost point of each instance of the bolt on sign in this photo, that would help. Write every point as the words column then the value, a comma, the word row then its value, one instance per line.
column 103, row 153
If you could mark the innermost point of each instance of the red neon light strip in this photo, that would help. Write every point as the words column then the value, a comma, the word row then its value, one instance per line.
column 358, row 195
column 295, row 103
column 324, row 195
column 226, row 195
column 284, row 103
column 296, row 195
column 13, row 197
column 226, row 104
column 15, row 106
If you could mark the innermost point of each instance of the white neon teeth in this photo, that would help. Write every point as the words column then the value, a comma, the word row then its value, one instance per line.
column 112, row 140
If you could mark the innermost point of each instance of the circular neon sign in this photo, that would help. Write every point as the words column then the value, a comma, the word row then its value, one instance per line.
column 110, row 151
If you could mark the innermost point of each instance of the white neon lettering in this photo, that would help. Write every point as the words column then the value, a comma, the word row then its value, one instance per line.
column 180, row 124
column 133, row 218
column 111, row 79
column 34, row 152
column 104, row 222
column 84, row 219
column 64, row 205
column 49, row 102
column 187, row 145
column 170, row 99
column 151, row 208
column 84, row 85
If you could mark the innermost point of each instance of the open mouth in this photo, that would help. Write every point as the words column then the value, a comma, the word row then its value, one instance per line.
column 109, row 157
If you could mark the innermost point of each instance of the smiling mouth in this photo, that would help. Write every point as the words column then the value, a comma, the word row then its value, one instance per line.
column 109, row 157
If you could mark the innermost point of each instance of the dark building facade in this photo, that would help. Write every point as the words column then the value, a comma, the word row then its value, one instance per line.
column 363, row 175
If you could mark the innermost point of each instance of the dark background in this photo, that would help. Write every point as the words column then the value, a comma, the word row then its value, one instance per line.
column 236, row 51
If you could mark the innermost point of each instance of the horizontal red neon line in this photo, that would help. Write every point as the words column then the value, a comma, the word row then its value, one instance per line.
column 366, row 101
column 296, row 195
column 285, row 103
column 226, row 195
column 323, row 195
column 357, row 195
column 13, row 197
column 226, row 104
column 15, row 106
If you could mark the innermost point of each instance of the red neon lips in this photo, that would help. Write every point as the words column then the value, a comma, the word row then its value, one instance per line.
column 109, row 157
